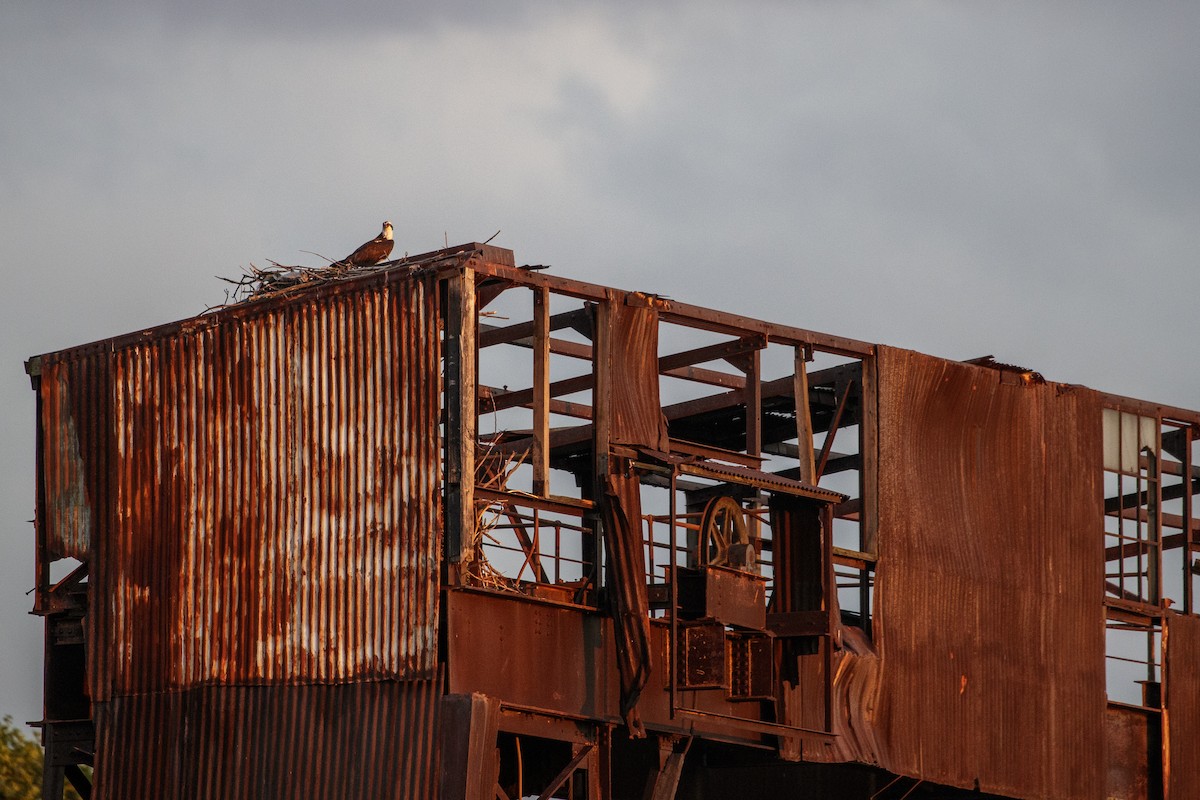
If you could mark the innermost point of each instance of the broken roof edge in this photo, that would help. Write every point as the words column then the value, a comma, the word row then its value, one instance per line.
column 498, row 262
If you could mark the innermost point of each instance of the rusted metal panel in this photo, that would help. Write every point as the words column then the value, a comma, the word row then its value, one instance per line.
column 730, row 596
column 988, row 598
column 626, row 563
column 1127, row 743
column 637, row 417
column 75, row 448
column 1181, row 706
column 369, row 739
column 262, row 492
column 512, row 648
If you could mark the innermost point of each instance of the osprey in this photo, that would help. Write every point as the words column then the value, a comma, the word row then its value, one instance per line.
column 373, row 251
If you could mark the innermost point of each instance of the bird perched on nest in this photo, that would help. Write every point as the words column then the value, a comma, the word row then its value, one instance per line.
column 372, row 252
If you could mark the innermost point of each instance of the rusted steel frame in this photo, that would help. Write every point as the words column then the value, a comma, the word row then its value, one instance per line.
column 686, row 314
column 566, row 772
column 510, row 334
column 829, row 599
column 770, row 389
column 581, row 383
column 41, row 551
column 798, row 623
column 562, row 347
column 71, row 579
column 1154, row 523
column 565, row 408
column 868, row 468
column 555, row 283
column 528, row 543
column 1175, row 492
column 719, row 453
column 804, row 431
column 757, row 479
column 721, row 351
column 1190, row 545
column 524, row 397
column 725, row 322
column 781, row 387
column 541, row 390
column 79, row 781
column 673, row 606
column 1146, row 408
column 711, row 377
column 827, row 447
column 1132, row 613
column 758, row 726
column 1121, row 592
column 1142, row 514
column 559, row 347
column 461, row 415
column 1140, row 546
column 552, row 504
column 753, row 399
column 854, row 558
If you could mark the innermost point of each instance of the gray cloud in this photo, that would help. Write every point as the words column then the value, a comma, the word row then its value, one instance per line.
column 961, row 179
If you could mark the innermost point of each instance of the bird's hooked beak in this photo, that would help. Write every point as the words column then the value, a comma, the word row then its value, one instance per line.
column 387, row 230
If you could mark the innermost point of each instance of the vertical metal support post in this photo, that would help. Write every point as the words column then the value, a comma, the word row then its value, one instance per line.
column 868, row 482
column 602, row 409
column 754, row 434
column 541, row 391
column 1154, row 517
column 1189, row 534
column 868, row 449
column 673, row 571
column 461, row 416
column 831, row 609
column 804, row 430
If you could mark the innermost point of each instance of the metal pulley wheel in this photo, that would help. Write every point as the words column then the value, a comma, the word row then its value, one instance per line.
column 724, row 540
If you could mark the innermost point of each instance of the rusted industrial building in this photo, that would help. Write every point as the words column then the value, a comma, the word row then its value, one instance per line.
column 455, row 528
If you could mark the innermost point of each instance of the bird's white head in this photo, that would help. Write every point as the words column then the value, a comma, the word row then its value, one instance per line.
column 387, row 230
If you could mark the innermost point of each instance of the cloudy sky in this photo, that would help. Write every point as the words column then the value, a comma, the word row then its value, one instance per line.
column 959, row 178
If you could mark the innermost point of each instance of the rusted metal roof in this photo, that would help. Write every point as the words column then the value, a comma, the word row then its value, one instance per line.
column 374, row 739
column 268, row 478
column 989, row 578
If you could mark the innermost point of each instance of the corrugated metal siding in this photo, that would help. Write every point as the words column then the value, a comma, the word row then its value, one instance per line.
column 276, row 499
column 1181, row 717
column 368, row 740
column 989, row 614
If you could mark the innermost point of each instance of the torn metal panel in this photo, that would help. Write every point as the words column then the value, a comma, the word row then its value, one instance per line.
column 369, row 739
column 622, row 509
column 1181, row 706
column 74, row 404
column 637, row 417
column 989, row 578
